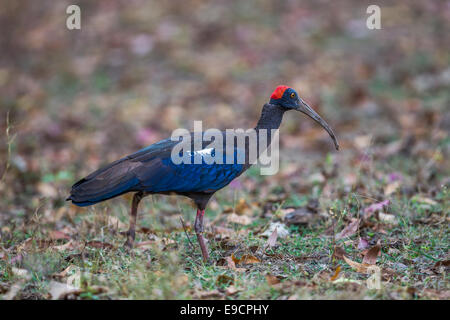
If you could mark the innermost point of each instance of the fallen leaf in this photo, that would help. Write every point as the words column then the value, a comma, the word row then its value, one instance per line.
column 47, row 190
column 346, row 280
column 362, row 244
column 231, row 290
column 363, row 141
column 16, row 259
column 235, row 260
column 13, row 291
column 425, row 200
column 282, row 230
column 223, row 231
column 99, row 245
column 71, row 245
column 338, row 253
column 272, row 240
column 272, row 280
column 372, row 254
column 59, row 290
column 349, row 230
column 21, row 273
column 442, row 263
column 387, row 218
column 300, row 216
column 225, row 280
column 66, row 271
column 210, row 294
column 360, row 267
column 58, row 235
column 34, row 243
column 115, row 223
column 234, row 218
column 391, row 188
column 230, row 262
column 316, row 178
column 242, row 207
column 245, row 259
column 376, row 206
column 336, row 273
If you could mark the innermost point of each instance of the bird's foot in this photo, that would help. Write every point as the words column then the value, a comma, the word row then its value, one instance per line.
column 130, row 234
column 128, row 244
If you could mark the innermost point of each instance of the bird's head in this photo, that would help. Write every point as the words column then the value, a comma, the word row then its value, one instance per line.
column 287, row 98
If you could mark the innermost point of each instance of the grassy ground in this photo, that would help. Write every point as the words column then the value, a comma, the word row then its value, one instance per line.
column 86, row 251
column 72, row 101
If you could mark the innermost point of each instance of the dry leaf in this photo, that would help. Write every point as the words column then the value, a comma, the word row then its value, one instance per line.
column 248, row 258
column 234, row 218
column 360, row 267
column 58, row 235
column 272, row 280
column 242, row 207
column 391, row 188
column 338, row 253
column 21, row 273
column 272, row 239
column 13, row 291
column 336, row 273
column 99, row 245
column 65, row 272
column 59, row 290
column 115, row 223
column 387, row 218
column 231, row 290
column 224, row 279
column 282, row 230
column 210, row 294
column 299, row 216
column 349, row 230
column 223, row 231
column 232, row 265
column 376, row 207
column 362, row 244
column 245, row 259
column 71, row 245
column 425, row 200
column 34, row 243
column 442, row 263
column 47, row 190
column 372, row 254
column 363, row 141
column 230, row 262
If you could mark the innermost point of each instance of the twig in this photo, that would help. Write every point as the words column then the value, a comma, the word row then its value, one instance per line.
column 187, row 235
column 9, row 141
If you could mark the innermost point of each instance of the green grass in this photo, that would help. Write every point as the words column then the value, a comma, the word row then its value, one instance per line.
column 173, row 269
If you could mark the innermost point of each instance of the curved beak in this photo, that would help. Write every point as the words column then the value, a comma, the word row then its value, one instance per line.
column 306, row 109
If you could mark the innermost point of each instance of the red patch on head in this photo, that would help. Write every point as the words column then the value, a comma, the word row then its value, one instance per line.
column 279, row 91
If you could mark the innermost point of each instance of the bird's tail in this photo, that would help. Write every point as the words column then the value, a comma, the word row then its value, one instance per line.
column 115, row 179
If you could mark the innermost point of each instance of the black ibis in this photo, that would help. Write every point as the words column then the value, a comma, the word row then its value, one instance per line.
column 152, row 171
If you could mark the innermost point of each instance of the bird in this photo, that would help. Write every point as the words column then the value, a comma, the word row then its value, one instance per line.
column 152, row 170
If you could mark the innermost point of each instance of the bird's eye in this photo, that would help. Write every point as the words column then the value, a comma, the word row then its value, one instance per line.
column 293, row 95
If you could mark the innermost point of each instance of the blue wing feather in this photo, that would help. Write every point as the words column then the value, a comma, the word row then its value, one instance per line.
column 151, row 170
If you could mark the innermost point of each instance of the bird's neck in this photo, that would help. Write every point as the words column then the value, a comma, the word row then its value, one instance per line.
column 271, row 117
column 270, row 120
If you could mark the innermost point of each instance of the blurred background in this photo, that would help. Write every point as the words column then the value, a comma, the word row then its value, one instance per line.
column 73, row 100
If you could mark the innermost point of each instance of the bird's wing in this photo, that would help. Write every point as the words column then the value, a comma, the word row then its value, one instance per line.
column 119, row 176
column 151, row 169
column 187, row 177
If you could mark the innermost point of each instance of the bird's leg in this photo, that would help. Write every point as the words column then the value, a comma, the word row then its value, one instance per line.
column 131, row 233
column 198, row 227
